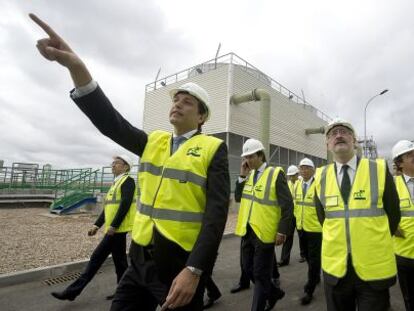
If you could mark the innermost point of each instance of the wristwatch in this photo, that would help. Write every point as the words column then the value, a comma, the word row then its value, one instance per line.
column 195, row 271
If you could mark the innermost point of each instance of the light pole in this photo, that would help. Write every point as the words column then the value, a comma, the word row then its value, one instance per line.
column 365, row 120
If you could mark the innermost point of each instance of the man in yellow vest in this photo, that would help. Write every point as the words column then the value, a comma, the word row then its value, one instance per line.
column 293, row 178
column 264, row 219
column 184, row 189
column 358, row 208
column 118, row 217
column 307, row 221
column 403, row 156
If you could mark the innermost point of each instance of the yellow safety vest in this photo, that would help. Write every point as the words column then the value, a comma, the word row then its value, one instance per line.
column 259, row 206
column 111, row 206
column 305, row 210
column 405, row 246
column 173, row 188
column 359, row 228
column 291, row 186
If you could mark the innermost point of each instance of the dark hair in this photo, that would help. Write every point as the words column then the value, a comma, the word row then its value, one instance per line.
column 261, row 154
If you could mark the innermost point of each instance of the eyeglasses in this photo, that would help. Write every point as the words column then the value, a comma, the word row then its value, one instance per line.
column 342, row 131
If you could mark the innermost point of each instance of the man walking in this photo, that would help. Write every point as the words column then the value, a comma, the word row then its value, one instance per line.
column 307, row 221
column 118, row 217
column 403, row 156
column 184, row 190
column 264, row 218
column 359, row 211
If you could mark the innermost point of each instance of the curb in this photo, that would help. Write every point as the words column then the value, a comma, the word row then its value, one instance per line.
column 43, row 273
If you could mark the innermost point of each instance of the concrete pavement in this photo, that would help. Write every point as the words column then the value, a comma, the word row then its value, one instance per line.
column 36, row 296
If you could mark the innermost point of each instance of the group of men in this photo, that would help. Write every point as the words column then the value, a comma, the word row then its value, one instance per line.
column 346, row 212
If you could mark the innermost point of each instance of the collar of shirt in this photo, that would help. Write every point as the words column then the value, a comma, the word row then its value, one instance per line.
column 351, row 163
column 261, row 168
column 118, row 177
column 407, row 178
column 309, row 182
column 187, row 135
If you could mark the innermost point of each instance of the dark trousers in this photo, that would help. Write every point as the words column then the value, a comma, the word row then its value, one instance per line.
column 351, row 292
column 141, row 289
column 287, row 246
column 244, row 277
column 258, row 261
column 115, row 245
column 211, row 288
column 406, row 280
column 313, row 245
column 302, row 244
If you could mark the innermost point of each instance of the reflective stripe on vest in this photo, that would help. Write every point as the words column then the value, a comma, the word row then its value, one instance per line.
column 359, row 227
column 259, row 206
column 305, row 210
column 404, row 247
column 111, row 206
column 173, row 188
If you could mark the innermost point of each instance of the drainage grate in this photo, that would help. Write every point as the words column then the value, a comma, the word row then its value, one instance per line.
column 62, row 278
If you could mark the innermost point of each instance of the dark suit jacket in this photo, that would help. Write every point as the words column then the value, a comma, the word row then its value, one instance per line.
column 284, row 198
column 127, row 196
column 97, row 107
column 391, row 204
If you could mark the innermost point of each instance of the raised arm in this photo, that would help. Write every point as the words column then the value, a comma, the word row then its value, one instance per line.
column 54, row 48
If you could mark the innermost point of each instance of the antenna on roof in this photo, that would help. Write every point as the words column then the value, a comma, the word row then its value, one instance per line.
column 217, row 53
column 156, row 78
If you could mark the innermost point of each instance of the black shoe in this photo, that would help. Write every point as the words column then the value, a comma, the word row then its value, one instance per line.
column 282, row 264
column 271, row 302
column 305, row 300
column 237, row 288
column 110, row 297
column 302, row 259
column 211, row 300
column 65, row 295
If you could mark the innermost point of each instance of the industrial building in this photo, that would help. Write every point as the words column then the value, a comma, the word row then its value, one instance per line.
column 226, row 76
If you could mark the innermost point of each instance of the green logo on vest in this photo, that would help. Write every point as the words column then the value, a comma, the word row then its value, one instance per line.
column 195, row 151
column 258, row 188
column 359, row 195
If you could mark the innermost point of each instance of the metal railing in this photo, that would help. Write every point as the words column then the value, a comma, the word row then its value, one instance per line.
column 232, row 58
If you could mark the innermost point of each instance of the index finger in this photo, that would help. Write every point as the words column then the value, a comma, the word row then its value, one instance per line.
column 164, row 307
column 43, row 25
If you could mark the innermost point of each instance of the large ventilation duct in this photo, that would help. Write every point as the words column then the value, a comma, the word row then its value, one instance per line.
column 316, row 130
column 264, row 97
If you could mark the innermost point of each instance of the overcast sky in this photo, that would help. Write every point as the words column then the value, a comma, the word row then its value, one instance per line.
column 340, row 53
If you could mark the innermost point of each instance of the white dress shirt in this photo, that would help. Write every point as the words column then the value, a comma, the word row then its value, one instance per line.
column 352, row 166
column 410, row 184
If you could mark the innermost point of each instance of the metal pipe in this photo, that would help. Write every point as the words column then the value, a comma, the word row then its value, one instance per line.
column 263, row 96
column 315, row 130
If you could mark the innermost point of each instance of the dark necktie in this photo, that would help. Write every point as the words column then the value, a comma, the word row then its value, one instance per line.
column 177, row 141
column 256, row 174
column 305, row 189
column 346, row 184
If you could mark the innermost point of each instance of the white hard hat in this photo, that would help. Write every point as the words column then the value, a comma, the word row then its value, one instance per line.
column 252, row 146
column 403, row 146
column 307, row 162
column 195, row 90
column 125, row 158
column 337, row 122
column 292, row 170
